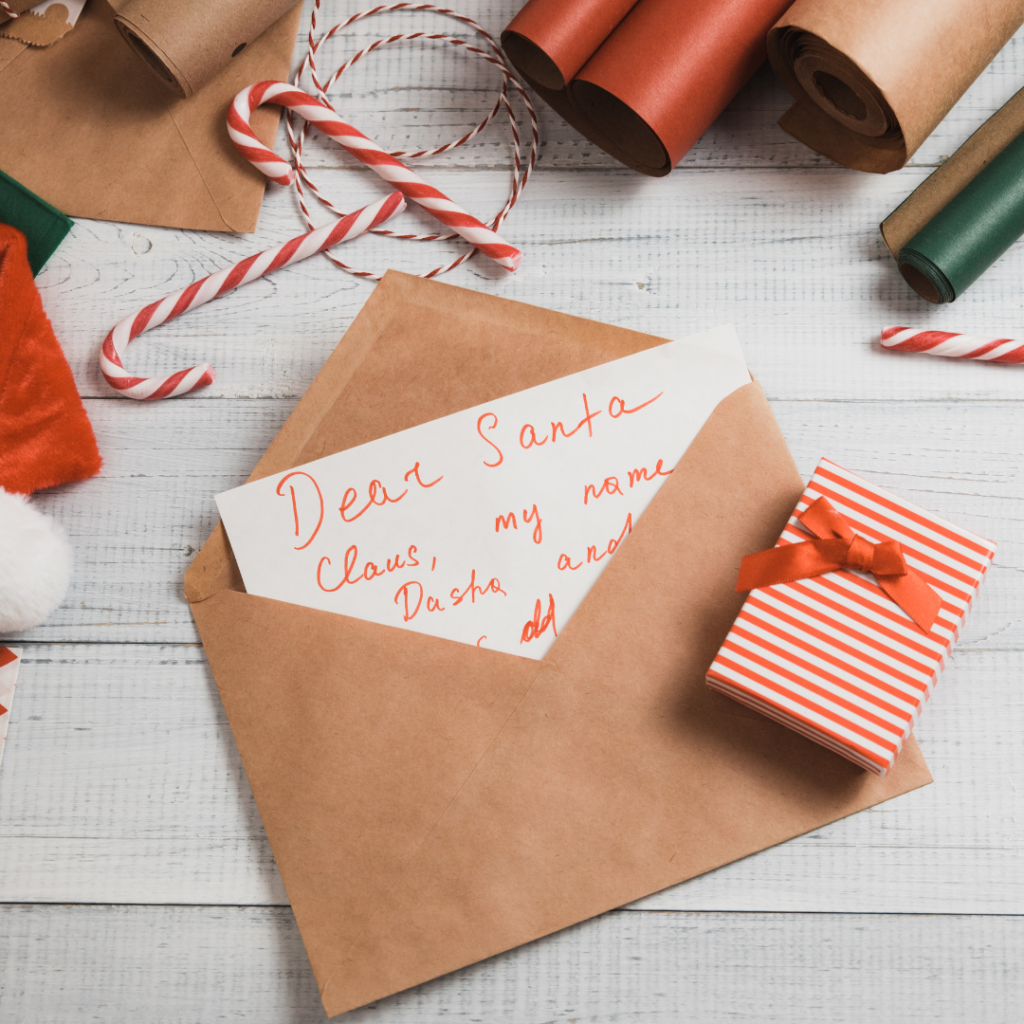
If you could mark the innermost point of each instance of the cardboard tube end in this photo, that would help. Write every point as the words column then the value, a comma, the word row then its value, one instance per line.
column 152, row 58
column 926, row 279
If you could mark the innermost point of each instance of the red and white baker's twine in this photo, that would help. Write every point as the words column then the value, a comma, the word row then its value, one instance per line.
column 953, row 346
column 492, row 55
column 392, row 170
column 6, row 8
column 203, row 291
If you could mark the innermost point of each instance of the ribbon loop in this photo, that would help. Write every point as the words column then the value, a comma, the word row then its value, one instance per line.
column 839, row 546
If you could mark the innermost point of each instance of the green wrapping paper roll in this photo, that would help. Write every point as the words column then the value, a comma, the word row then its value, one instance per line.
column 970, row 232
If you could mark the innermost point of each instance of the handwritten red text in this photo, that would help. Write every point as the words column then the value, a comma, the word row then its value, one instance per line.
column 295, row 504
column 473, row 591
column 611, row 484
column 377, row 494
column 537, row 625
column 565, row 562
column 370, row 570
column 529, row 516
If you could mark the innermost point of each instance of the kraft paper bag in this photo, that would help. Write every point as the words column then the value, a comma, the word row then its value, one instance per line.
column 93, row 131
column 431, row 803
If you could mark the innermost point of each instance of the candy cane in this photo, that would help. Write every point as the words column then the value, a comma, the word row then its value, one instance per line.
column 953, row 346
column 363, row 149
column 200, row 292
column 6, row 8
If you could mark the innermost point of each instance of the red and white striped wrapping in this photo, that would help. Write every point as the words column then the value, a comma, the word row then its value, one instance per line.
column 833, row 657
column 10, row 662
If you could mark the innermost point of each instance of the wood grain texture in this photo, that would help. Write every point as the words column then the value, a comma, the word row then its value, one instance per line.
column 121, row 790
column 124, row 786
column 794, row 258
column 188, row 964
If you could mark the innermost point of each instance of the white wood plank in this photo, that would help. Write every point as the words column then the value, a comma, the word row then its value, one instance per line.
column 65, row 965
column 121, row 784
column 137, row 526
column 793, row 258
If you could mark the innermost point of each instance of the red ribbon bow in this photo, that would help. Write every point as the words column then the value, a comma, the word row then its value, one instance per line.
column 838, row 547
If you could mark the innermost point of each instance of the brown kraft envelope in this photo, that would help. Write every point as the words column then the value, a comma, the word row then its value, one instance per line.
column 430, row 803
column 93, row 131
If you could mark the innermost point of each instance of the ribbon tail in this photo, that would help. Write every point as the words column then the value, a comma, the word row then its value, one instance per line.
column 914, row 596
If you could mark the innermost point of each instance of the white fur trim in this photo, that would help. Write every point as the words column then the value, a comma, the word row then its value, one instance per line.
column 35, row 564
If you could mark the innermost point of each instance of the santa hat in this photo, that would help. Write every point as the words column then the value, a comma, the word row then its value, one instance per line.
column 45, row 440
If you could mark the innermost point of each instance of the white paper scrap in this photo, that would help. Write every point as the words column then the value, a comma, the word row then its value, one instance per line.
column 10, row 662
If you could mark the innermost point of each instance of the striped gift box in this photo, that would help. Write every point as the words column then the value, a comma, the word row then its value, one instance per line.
column 833, row 657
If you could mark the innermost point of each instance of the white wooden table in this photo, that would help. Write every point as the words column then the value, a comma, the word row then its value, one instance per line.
column 135, row 879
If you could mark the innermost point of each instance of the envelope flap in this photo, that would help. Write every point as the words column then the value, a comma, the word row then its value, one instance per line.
column 619, row 772
column 234, row 186
column 353, row 745
column 96, row 135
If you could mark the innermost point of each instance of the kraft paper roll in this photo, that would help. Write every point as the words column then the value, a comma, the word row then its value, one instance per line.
column 184, row 44
column 642, row 80
column 953, row 249
column 873, row 79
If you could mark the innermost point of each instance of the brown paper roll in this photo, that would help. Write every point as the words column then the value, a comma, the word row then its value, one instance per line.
column 662, row 73
column 186, row 43
column 873, row 79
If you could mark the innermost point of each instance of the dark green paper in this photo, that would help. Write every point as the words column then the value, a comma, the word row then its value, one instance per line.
column 970, row 232
column 42, row 224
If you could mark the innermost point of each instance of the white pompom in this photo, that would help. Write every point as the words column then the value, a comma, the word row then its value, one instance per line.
column 35, row 564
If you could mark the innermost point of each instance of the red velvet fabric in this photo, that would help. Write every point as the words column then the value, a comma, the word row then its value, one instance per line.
column 45, row 436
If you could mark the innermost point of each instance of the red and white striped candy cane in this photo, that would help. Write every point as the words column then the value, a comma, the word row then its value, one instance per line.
column 7, row 10
column 953, row 346
column 363, row 149
column 195, row 377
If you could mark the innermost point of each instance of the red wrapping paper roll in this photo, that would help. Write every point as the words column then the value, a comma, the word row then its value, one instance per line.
column 662, row 74
column 550, row 40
